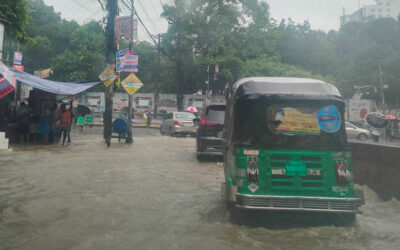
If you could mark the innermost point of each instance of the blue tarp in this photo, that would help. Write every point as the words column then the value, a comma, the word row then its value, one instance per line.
column 60, row 88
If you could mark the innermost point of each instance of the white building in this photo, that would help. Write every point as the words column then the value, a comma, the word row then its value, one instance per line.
column 382, row 9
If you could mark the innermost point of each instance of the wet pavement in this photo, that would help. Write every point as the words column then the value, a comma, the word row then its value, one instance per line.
column 153, row 195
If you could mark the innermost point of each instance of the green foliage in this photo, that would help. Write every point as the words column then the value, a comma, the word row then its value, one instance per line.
column 236, row 35
column 15, row 14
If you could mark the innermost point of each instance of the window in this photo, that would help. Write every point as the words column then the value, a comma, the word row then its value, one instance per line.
column 372, row 10
column 388, row 10
column 286, row 126
column 388, row 4
column 184, row 115
column 216, row 114
column 380, row 10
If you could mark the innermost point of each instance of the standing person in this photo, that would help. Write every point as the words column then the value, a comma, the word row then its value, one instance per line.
column 53, row 117
column 23, row 121
column 65, row 121
column 70, row 122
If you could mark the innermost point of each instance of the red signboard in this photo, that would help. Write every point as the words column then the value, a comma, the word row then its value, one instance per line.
column 123, row 27
column 19, row 67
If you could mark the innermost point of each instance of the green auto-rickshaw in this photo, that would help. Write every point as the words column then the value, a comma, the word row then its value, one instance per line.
column 285, row 147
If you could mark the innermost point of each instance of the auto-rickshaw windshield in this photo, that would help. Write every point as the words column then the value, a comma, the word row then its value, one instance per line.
column 291, row 125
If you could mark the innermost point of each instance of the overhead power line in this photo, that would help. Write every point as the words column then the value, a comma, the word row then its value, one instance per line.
column 147, row 31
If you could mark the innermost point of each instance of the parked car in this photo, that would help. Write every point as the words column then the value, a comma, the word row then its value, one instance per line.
column 179, row 123
column 209, row 132
column 353, row 131
column 361, row 124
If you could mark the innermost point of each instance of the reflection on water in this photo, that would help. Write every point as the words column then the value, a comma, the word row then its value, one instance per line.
column 155, row 195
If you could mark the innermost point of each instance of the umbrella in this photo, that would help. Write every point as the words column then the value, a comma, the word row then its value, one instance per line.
column 83, row 110
column 377, row 120
column 390, row 117
column 192, row 109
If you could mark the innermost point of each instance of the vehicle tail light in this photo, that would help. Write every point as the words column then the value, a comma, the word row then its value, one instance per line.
column 343, row 175
column 200, row 145
column 176, row 122
column 203, row 122
column 252, row 168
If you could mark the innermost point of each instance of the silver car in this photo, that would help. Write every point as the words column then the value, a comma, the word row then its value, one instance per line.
column 356, row 132
column 179, row 123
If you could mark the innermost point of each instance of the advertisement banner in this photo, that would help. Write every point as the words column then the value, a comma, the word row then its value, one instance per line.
column 43, row 73
column 359, row 108
column 120, row 59
column 297, row 122
column 131, row 63
column 108, row 75
column 131, row 84
column 19, row 67
column 17, row 58
column 123, row 28
column 1, row 39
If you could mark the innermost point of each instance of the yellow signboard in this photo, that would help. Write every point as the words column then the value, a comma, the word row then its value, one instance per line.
column 131, row 84
column 108, row 75
column 118, row 82
column 298, row 122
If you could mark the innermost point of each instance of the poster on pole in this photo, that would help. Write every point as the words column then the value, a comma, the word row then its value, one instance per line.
column 131, row 62
column 17, row 58
column 131, row 84
column 108, row 75
column 120, row 56
column 1, row 39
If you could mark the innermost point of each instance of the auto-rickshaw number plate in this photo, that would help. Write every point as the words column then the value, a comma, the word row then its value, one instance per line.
column 310, row 172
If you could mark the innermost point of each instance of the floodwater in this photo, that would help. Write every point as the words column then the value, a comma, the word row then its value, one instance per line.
column 153, row 195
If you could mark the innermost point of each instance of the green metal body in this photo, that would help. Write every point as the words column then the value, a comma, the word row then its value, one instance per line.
column 290, row 173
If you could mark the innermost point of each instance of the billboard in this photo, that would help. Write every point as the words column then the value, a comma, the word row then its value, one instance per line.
column 359, row 108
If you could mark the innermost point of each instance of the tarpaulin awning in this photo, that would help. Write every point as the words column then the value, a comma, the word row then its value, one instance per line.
column 5, row 87
column 60, row 88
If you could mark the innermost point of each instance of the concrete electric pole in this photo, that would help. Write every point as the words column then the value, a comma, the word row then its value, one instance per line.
column 129, row 138
column 112, row 12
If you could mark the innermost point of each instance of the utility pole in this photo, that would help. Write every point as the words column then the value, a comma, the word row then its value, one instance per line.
column 179, row 69
column 382, row 94
column 130, row 97
column 157, row 94
column 112, row 12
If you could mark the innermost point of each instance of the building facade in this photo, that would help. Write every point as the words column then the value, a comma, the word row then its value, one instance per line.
column 382, row 9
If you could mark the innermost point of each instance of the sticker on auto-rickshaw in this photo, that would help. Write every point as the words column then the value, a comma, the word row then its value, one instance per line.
column 329, row 119
column 250, row 152
column 296, row 122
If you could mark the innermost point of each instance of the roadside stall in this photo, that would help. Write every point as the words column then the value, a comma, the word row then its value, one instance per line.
column 31, row 118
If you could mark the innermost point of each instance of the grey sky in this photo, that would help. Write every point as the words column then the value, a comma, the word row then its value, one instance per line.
column 323, row 14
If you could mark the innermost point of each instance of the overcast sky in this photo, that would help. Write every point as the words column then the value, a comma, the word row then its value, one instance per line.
column 322, row 14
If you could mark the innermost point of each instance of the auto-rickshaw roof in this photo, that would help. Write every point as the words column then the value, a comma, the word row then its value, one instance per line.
column 284, row 86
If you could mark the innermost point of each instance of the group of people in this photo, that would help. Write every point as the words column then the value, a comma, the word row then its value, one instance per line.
column 49, row 125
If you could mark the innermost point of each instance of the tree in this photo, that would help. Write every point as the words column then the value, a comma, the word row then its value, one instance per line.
column 15, row 14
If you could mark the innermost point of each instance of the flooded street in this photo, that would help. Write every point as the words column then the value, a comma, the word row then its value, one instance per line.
column 151, row 195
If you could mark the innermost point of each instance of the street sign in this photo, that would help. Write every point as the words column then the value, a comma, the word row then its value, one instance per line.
column 119, row 66
column 131, row 84
column 108, row 75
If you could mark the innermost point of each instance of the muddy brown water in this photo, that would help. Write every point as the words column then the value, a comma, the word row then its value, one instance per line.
column 153, row 195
